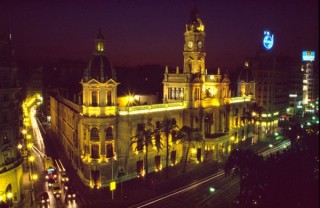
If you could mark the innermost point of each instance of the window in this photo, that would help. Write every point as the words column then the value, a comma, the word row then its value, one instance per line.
column 157, row 161
column 109, row 149
column 95, row 175
column 94, row 151
column 94, row 134
column 109, row 98
column 94, row 98
column 140, row 168
column 173, row 157
column 109, row 133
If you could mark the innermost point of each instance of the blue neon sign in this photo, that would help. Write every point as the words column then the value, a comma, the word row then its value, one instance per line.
column 267, row 40
column 308, row 55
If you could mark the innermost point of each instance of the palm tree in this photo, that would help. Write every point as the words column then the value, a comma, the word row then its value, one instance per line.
column 142, row 139
column 258, row 110
column 247, row 164
column 190, row 136
column 168, row 126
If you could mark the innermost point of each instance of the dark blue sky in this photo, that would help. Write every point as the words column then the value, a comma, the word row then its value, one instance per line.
column 151, row 31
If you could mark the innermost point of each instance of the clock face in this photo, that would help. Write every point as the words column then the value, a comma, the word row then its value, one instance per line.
column 190, row 44
column 200, row 44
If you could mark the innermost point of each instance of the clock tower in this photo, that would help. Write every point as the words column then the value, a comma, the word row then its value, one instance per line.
column 188, row 84
column 194, row 45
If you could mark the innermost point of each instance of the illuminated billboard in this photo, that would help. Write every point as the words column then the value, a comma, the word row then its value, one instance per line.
column 308, row 55
column 267, row 40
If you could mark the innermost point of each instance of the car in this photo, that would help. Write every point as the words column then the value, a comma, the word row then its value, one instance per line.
column 44, row 197
column 51, row 181
column 56, row 190
column 66, row 186
column 64, row 177
column 70, row 194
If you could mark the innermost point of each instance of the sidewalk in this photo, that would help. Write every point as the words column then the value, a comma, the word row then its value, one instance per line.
column 26, row 196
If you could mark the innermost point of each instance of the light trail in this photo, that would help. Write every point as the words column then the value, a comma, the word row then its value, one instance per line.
column 38, row 152
column 179, row 191
column 281, row 145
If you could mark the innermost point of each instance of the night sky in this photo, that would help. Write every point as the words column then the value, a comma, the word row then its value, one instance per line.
column 141, row 32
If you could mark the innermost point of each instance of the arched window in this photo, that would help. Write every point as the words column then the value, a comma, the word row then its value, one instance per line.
column 109, row 133
column 94, row 134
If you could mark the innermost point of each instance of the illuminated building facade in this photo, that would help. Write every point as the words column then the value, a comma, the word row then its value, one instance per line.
column 10, row 159
column 96, row 130
column 272, row 76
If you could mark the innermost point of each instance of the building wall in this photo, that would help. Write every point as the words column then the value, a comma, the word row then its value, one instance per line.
column 12, row 177
column 10, row 122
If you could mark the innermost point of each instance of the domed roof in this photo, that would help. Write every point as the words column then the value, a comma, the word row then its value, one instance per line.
column 99, row 67
column 246, row 74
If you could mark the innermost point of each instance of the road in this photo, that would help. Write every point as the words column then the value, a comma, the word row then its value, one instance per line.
column 200, row 193
column 39, row 151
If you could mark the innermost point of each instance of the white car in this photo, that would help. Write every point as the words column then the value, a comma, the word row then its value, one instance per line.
column 56, row 190
column 64, row 177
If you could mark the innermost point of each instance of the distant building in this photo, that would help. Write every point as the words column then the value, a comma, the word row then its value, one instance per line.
column 10, row 119
column 96, row 129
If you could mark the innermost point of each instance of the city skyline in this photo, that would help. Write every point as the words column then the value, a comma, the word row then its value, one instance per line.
column 143, row 32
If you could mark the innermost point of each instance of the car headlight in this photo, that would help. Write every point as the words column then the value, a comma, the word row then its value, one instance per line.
column 47, row 200
column 74, row 195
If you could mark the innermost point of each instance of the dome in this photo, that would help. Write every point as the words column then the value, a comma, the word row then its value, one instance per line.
column 246, row 74
column 99, row 67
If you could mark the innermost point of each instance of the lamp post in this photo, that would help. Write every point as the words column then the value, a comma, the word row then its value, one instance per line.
column 31, row 160
column 120, row 176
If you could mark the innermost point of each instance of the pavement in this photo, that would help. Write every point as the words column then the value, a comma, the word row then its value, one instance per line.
column 26, row 194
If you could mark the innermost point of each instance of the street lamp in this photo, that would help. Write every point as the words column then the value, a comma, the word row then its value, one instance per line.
column 32, row 176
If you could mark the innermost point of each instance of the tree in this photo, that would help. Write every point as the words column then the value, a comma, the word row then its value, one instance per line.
column 191, row 137
column 168, row 126
column 257, row 109
column 247, row 164
column 142, row 140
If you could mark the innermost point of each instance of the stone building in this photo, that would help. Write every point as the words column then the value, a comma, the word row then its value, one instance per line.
column 10, row 159
column 96, row 131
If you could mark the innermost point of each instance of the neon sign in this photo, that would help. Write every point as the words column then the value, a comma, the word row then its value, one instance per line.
column 308, row 55
column 267, row 40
